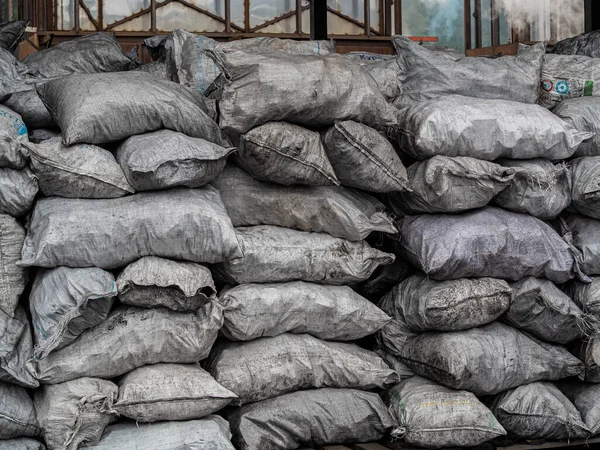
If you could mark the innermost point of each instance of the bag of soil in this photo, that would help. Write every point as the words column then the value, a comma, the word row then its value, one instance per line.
column 275, row 254
column 164, row 159
column 333, row 313
column 538, row 411
column 434, row 416
column 182, row 223
column 362, row 158
column 65, row 302
column 170, row 392
column 311, row 418
column 539, row 188
column 17, row 413
column 134, row 337
column 78, row 171
column 340, row 212
column 75, row 413
column 180, row 286
column 488, row 360
column 122, row 104
column 273, row 366
column 287, row 154
column 485, row 129
column 490, row 242
column 450, row 184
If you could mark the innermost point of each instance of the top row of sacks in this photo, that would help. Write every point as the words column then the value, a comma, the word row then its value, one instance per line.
column 316, row 91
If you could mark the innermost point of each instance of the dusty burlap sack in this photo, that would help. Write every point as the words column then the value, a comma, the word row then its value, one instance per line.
column 275, row 254
column 264, row 368
column 170, row 392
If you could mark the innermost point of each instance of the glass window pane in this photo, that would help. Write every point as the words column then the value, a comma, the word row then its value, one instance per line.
column 115, row 11
column 486, row 23
column 351, row 8
column 441, row 19
column 65, row 12
column 262, row 11
column 176, row 15
column 238, row 15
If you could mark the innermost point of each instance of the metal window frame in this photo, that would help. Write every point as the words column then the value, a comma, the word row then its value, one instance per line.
column 49, row 11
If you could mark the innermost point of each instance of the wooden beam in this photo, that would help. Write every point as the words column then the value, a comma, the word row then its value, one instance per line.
column 398, row 16
column 100, row 22
column 468, row 41
column 247, row 16
column 368, row 17
column 76, row 18
column 478, row 32
column 299, row 10
column 318, row 19
column 153, row 15
column 387, row 18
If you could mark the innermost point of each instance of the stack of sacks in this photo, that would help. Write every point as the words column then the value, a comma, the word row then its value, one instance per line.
column 123, row 308
column 18, row 188
column 486, row 318
column 290, row 313
column 121, row 289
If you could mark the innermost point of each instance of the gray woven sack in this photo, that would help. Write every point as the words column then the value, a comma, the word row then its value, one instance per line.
column 311, row 91
column 333, row 313
column 345, row 213
column 264, row 368
column 275, row 254
column 490, row 242
column 133, row 337
column 539, row 188
column 485, row 129
column 77, row 171
column 186, row 224
column 311, row 418
column 488, row 360
column 122, row 104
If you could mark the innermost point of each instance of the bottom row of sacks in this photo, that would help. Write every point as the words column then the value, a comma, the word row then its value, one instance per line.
column 82, row 413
